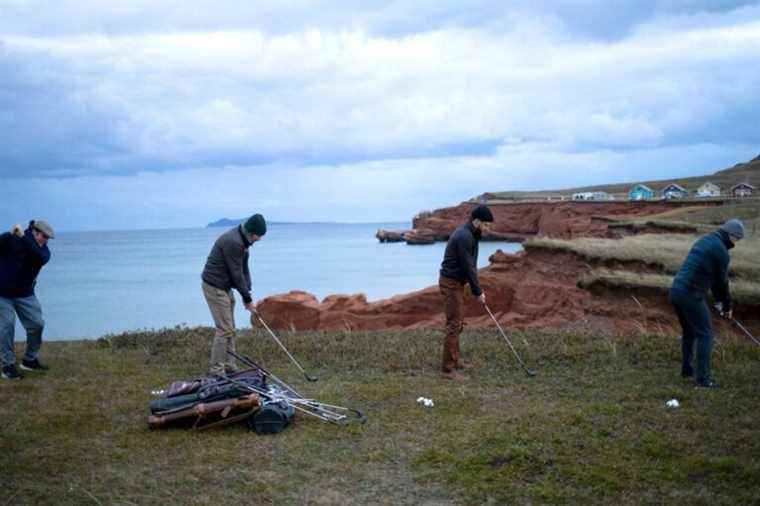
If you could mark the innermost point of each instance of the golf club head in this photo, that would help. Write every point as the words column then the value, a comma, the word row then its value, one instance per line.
column 310, row 378
column 530, row 372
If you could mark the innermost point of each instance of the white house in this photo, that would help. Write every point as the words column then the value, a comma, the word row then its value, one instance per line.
column 674, row 191
column 708, row 190
column 598, row 196
column 742, row 190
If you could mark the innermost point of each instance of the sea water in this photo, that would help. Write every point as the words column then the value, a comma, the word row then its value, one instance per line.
column 108, row 282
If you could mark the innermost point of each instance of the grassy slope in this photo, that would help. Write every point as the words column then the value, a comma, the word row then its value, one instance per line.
column 748, row 211
column 591, row 428
column 743, row 172
column 666, row 251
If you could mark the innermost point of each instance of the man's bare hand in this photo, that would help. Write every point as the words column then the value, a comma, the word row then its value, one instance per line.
column 250, row 306
column 17, row 230
column 482, row 298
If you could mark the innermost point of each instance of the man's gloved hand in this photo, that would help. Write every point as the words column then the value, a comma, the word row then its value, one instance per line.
column 724, row 314
column 482, row 298
column 17, row 230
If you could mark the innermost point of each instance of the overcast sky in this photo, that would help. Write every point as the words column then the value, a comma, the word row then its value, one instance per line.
column 153, row 114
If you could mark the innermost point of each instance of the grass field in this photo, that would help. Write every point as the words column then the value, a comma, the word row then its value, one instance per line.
column 592, row 427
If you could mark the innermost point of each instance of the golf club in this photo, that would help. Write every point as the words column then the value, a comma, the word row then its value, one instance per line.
column 529, row 372
column 719, row 308
column 305, row 374
column 745, row 331
column 279, row 390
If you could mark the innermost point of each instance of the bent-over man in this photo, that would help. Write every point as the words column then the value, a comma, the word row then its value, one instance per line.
column 23, row 253
column 460, row 266
column 705, row 269
column 227, row 268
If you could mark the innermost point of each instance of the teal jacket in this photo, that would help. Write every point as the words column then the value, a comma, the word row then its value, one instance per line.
column 706, row 268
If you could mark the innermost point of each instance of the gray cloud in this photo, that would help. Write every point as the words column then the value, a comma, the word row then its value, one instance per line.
column 106, row 102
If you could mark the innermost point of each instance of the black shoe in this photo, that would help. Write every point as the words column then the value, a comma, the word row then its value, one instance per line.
column 687, row 373
column 708, row 384
column 33, row 365
column 11, row 373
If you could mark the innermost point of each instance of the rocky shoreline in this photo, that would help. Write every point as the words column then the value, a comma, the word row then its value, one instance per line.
column 518, row 221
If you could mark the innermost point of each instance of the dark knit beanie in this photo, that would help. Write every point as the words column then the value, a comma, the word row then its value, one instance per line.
column 256, row 225
column 481, row 213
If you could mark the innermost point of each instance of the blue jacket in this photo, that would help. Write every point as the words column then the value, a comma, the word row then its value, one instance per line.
column 706, row 268
column 21, row 259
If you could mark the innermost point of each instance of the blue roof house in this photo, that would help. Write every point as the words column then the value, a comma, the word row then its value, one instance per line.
column 641, row 192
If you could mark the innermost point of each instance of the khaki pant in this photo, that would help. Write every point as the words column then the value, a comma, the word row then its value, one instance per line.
column 452, row 292
column 222, row 306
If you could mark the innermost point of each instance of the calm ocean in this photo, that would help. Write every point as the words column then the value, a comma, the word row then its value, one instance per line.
column 107, row 282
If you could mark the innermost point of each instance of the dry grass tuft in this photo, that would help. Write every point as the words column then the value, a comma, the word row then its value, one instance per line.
column 743, row 292
column 662, row 251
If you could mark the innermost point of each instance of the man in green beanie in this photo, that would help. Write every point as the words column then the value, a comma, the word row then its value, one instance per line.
column 227, row 268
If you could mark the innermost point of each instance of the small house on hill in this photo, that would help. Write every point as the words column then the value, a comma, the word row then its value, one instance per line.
column 640, row 192
column 674, row 191
column 708, row 190
column 743, row 190
column 597, row 196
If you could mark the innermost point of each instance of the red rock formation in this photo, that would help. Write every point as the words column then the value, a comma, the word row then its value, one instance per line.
column 532, row 289
column 557, row 219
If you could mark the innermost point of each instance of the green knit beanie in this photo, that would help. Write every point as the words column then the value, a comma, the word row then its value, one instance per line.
column 256, row 225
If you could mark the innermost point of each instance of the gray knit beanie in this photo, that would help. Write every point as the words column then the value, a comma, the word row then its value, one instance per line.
column 734, row 228
column 256, row 224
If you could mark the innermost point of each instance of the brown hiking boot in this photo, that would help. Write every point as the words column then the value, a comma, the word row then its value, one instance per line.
column 454, row 375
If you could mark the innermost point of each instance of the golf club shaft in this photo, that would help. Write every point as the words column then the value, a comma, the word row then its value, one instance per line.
column 511, row 347
column 250, row 363
column 746, row 331
column 274, row 336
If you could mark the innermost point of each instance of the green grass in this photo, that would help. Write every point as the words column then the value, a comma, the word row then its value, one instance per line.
column 590, row 428
column 673, row 226
column 664, row 252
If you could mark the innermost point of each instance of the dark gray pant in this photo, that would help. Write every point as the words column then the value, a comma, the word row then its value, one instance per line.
column 694, row 316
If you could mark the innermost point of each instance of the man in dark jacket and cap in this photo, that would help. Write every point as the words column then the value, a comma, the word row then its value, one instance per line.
column 705, row 269
column 23, row 253
column 227, row 268
column 460, row 266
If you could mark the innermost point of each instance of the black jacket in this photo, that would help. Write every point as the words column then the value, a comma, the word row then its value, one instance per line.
column 227, row 264
column 706, row 268
column 461, row 258
column 21, row 259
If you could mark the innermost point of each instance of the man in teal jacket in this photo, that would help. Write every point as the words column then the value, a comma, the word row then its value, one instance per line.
column 704, row 270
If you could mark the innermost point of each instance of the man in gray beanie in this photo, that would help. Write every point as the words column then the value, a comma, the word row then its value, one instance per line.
column 705, row 269
column 227, row 268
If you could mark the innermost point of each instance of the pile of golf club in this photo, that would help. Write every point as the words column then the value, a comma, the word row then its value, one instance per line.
column 279, row 391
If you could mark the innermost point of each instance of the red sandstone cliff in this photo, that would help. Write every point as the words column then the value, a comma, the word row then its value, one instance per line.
column 557, row 219
column 534, row 288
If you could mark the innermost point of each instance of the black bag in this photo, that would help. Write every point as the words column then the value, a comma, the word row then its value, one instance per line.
column 271, row 418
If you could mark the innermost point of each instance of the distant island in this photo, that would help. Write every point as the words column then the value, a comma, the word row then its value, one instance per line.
column 225, row 222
